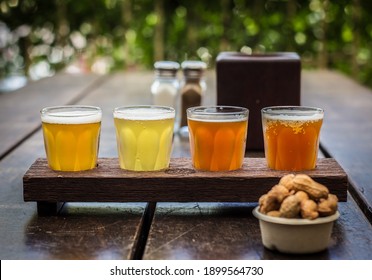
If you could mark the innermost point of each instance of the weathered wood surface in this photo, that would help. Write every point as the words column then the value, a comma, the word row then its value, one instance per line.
column 81, row 231
column 346, row 134
column 119, row 230
column 179, row 183
column 20, row 110
column 229, row 231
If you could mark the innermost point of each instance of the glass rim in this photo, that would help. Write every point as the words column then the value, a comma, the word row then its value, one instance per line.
column 86, row 109
column 158, row 111
column 132, row 107
column 71, row 114
column 203, row 110
column 291, row 110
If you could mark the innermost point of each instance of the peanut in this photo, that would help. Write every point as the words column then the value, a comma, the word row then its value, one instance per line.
column 274, row 213
column 268, row 202
column 316, row 191
column 272, row 200
column 287, row 181
column 290, row 207
column 327, row 207
column 280, row 191
column 302, row 196
column 309, row 209
column 298, row 196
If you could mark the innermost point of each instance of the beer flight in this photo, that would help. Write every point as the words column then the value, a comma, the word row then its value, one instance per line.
column 217, row 134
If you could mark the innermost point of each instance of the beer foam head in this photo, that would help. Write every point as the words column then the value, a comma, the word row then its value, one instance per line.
column 144, row 113
column 71, row 115
column 284, row 117
column 293, row 114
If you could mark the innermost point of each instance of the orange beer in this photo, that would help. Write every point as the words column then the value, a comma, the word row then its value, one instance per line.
column 71, row 136
column 217, row 137
column 291, row 137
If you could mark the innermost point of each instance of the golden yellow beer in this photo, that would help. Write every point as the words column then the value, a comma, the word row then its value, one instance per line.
column 291, row 137
column 144, row 137
column 71, row 137
column 217, row 137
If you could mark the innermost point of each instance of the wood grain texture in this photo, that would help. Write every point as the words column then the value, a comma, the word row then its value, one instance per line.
column 179, row 230
column 347, row 127
column 180, row 183
column 81, row 231
column 84, row 231
column 214, row 231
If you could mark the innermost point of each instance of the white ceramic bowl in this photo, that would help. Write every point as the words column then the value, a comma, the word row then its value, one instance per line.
column 295, row 236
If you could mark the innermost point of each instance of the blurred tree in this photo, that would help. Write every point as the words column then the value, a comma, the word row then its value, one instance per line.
column 159, row 30
column 321, row 33
column 356, row 24
column 40, row 37
column 226, row 18
column 127, row 17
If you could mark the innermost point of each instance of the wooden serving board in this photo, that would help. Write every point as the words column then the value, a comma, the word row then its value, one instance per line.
column 180, row 183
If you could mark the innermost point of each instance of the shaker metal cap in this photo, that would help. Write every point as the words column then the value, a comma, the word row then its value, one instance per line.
column 167, row 65
column 193, row 65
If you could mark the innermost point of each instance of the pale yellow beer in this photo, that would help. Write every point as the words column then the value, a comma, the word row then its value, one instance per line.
column 144, row 137
column 71, row 136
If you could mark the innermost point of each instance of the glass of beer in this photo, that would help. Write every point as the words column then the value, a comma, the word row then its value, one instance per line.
column 217, row 137
column 71, row 136
column 144, row 136
column 291, row 136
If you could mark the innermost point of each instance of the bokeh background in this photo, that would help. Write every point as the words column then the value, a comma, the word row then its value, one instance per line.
column 38, row 38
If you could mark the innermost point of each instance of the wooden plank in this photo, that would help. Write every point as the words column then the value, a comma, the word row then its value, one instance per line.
column 19, row 110
column 82, row 230
column 346, row 134
column 229, row 231
column 181, row 182
column 111, row 230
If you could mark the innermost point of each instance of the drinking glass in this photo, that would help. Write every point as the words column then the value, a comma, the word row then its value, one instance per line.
column 291, row 136
column 144, row 136
column 217, row 137
column 71, row 136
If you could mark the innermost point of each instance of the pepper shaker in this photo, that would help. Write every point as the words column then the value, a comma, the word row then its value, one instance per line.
column 193, row 87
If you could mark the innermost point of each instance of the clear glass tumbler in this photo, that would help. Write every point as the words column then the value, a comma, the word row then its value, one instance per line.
column 144, row 136
column 291, row 136
column 71, row 136
column 217, row 137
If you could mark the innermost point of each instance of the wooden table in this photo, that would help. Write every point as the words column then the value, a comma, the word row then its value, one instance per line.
column 195, row 230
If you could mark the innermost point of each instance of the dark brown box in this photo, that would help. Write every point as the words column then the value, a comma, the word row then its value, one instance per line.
column 256, row 81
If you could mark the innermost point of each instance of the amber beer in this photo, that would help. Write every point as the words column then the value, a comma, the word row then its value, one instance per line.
column 71, row 136
column 291, row 136
column 217, row 137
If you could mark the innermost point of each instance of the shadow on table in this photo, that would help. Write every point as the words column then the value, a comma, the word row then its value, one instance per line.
column 86, row 231
column 210, row 231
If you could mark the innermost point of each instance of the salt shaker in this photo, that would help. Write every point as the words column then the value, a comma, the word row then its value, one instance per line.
column 165, row 88
column 193, row 88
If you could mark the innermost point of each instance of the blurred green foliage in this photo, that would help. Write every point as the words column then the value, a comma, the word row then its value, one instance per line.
column 108, row 35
